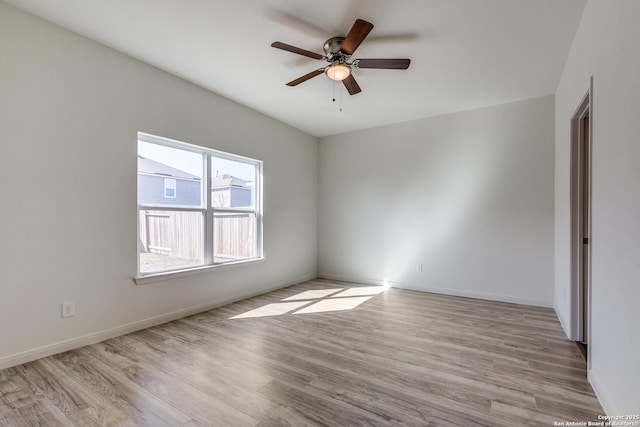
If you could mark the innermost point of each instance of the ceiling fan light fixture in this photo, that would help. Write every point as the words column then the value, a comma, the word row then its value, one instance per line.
column 338, row 71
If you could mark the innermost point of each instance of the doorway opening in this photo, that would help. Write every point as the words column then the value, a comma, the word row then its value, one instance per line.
column 581, row 154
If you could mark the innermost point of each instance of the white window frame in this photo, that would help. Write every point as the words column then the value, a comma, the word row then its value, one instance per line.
column 173, row 187
column 206, row 209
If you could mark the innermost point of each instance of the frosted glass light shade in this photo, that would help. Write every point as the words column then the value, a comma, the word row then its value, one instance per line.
column 338, row 72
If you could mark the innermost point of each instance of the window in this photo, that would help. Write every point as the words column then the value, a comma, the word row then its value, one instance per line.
column 196, row 206
column 170, row 188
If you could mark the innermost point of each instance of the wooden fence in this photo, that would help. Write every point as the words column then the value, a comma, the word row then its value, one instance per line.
column 233, row 236
column 179, row 234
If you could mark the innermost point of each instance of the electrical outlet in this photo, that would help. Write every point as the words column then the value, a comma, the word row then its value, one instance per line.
column 68, row 309
column 418, row 268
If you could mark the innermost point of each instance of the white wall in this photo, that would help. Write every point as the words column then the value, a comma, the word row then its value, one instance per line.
column 606, row 46
column 69, row 112
column 468, row 195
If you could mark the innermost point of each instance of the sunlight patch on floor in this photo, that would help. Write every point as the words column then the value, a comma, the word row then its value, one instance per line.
column 317, row 301
column 313, row 294
column 275, row 309
column 338, row 304
column 356, row 292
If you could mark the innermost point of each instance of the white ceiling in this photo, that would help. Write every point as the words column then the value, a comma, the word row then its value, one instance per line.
column 465, row 53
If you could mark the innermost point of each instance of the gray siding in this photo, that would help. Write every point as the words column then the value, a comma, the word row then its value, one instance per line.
column 151, row 191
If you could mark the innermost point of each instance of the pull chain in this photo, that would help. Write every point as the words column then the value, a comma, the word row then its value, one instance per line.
column 334, row 91
column 334, row 94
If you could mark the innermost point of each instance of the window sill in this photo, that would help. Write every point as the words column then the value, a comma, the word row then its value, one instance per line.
column 168, row 275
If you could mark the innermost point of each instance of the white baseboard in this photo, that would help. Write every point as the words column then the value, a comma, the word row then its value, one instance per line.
column 607, row 406
column 70, row 344
column 562, row 320
column 444, row 291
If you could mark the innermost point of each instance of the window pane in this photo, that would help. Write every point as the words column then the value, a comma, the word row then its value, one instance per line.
column 169, row 240
column 170, row 188
column 232, row 184
column 233, row 236
column 169, row 176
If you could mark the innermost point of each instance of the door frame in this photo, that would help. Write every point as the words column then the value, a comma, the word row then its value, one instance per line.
column 580, row 298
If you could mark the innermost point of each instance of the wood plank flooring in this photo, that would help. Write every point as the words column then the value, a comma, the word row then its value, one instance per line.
column 344, row 355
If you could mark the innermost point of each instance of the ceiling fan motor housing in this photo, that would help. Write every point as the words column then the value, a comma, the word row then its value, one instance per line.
column 332, row 49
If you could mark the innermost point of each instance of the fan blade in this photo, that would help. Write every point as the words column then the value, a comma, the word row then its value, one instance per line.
column 306, row 77
column 351, row 85
column 299, row 51
column 356, row 35
column 388, row 64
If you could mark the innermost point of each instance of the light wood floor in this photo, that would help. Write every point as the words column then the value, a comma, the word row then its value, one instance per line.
column 398, row 358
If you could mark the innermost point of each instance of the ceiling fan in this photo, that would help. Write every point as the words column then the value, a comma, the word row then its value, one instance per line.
column 338, row 51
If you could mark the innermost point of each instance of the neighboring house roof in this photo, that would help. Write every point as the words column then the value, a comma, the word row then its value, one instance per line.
column 151, row 167
column 226, row 180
